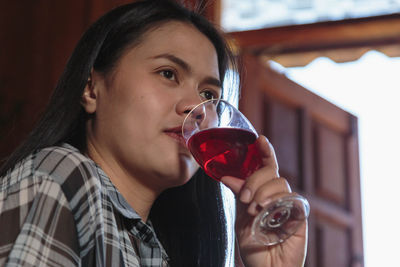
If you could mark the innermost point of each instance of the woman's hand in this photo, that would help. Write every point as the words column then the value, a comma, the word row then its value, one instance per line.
column 254, row 193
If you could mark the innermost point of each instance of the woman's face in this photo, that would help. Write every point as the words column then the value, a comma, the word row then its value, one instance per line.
column 141, row 104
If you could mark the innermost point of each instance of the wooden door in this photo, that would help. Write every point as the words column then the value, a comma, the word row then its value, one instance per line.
column 317, row 149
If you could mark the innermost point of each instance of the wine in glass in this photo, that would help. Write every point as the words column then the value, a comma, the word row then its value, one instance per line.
column 222, row 141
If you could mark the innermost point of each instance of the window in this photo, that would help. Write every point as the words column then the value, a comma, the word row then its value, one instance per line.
column 240, row 15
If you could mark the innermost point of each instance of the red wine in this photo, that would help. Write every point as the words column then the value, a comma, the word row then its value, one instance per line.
column 225, row 151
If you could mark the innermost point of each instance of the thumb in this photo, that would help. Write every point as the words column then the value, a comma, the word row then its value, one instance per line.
column 233, row 183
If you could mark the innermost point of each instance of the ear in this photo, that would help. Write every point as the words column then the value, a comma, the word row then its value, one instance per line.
column 89, row 96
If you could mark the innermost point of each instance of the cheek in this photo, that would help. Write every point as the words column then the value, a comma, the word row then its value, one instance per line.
column 156, row 103
column 148, row 111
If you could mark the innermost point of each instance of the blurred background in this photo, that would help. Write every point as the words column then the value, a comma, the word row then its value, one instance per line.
column 321, row 81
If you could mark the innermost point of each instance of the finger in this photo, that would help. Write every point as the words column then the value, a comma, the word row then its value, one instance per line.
column 267, row 154
column 236, row 185
column 267, row 172
column 256, row 207
column 254, row 181
column 268, row 191
column 274, row 186
column 233, row 183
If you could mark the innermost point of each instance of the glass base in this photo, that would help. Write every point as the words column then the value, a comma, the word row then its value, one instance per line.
column 280, row 219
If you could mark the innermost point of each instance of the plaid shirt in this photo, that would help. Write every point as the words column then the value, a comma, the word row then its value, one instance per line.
column 58, row 208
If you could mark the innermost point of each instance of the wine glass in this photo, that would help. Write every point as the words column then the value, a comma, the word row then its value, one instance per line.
column 222, row 141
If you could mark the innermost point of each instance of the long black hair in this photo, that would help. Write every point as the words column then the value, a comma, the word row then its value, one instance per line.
column 189, row 220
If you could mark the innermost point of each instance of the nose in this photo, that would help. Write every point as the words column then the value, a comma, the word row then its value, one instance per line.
column 191, row 113
column 187, row 103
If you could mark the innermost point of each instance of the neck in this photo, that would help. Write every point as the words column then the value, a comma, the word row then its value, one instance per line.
column 138, row 195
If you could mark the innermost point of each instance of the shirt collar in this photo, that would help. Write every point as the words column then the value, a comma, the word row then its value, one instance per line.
column 116, row 198
column 119, row 202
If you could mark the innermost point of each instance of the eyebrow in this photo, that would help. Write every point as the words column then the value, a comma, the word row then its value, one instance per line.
column 213, row 81
column 187, row 68
column 176, row 60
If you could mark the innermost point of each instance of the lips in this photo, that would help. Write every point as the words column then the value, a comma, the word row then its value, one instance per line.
column 176, row 133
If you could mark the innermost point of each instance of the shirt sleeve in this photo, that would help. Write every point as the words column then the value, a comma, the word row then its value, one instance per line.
column 37, row 226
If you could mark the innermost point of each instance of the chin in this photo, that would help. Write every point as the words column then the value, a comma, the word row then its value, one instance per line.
column 176, row 170
column 174, row 180
column 187, row 168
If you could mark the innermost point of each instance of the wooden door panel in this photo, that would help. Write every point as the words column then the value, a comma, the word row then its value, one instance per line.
column 281, row 126
column 334, row 249
column 330, row 165
column 316, row 144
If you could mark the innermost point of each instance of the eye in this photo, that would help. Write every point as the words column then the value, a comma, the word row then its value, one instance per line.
column 168, row 74
column 208, row 94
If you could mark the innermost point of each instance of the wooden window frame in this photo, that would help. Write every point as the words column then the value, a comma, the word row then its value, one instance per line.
column 342, row 41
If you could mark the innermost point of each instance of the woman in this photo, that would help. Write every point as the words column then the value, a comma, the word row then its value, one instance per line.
column 104, row 180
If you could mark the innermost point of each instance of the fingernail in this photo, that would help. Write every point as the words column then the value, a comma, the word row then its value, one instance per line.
column 252, row 209
column 266, row 139
column 265, row 202
column 245, row 196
